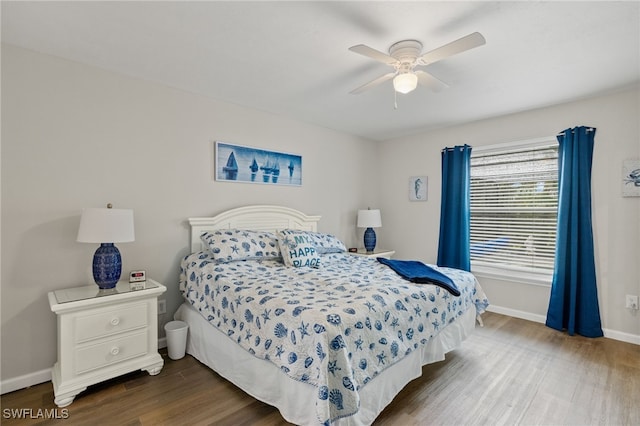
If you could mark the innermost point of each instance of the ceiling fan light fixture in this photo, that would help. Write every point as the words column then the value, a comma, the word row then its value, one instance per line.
column 405, row 82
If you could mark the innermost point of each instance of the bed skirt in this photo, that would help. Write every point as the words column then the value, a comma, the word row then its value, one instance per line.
column 296, row 400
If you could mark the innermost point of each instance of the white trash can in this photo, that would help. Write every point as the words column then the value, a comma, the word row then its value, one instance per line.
column 176, row 338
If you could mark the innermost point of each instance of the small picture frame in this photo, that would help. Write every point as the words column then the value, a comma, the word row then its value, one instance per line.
column 418, row 186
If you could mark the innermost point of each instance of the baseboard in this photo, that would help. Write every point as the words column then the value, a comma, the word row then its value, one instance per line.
column 517, row 314
column 25, row 381
column 610, row 334
column 623, row 337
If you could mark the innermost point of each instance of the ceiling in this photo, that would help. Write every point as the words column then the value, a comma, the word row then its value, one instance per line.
column 292, row 58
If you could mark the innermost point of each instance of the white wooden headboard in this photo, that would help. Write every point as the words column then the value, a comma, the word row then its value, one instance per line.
column 255, row 218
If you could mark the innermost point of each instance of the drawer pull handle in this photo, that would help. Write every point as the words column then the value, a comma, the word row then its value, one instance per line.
column 115, row 321
column 115, row 350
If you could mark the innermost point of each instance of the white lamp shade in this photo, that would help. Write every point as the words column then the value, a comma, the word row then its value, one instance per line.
column 369, row 219
column 106, row 226
column 405, row 83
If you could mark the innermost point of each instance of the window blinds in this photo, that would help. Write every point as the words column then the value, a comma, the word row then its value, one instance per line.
column 514, row 204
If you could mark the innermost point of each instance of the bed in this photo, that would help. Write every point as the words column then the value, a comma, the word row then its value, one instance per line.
column 287, row 315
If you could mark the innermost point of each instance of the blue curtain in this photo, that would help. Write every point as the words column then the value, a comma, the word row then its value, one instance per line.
column 573, row 305
column 453, row 246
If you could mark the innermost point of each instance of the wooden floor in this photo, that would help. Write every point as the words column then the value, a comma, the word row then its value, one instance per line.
column 511, row 372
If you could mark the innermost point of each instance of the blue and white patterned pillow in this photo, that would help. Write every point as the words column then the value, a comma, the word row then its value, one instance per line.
column 327, row 243
column 298, row 249
column 228, row 245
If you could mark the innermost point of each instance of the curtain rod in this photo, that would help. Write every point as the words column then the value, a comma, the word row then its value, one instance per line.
column 589, row 129
column 460, row 147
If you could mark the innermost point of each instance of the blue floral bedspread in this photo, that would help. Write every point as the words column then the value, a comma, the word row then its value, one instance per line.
column 335, row 327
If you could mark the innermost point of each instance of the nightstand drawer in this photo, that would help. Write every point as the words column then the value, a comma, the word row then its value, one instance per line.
column 109, row 352
column 106, row 323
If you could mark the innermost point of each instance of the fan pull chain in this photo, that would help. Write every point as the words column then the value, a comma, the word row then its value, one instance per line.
column 395, row 99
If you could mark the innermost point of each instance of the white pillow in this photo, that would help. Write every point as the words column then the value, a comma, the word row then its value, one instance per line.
column 298, row 249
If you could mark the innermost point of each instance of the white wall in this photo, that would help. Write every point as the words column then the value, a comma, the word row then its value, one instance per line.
column 75, row 137
column 412, row 228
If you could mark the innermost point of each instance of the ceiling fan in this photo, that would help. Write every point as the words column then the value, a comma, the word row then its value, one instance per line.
column 404, row 56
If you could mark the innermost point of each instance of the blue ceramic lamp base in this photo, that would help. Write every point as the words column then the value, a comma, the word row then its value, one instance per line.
column 107, row 266
column 369, row 240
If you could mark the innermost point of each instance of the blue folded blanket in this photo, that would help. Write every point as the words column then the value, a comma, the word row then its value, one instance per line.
column 418, row 272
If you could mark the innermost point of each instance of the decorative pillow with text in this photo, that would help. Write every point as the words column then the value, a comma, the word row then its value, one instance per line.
column 298, row 249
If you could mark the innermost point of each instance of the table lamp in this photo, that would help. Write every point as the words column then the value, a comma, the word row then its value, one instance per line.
column 369, row 219
column 106, row 226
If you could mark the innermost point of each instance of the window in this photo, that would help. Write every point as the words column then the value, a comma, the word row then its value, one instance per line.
column 514, row 207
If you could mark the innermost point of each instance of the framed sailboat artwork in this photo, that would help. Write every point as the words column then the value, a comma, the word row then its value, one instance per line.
column 238, row 163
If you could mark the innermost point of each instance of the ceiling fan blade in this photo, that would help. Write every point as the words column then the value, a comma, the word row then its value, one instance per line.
column 458, row 46
column 430, row 81
column 373, row 54
column 373, row 83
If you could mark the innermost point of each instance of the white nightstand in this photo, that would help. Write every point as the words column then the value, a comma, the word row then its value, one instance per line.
column 376, row 253
column 103, row 334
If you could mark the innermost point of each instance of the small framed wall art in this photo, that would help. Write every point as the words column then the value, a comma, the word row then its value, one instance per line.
column 418, row 188
column 631, row 178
